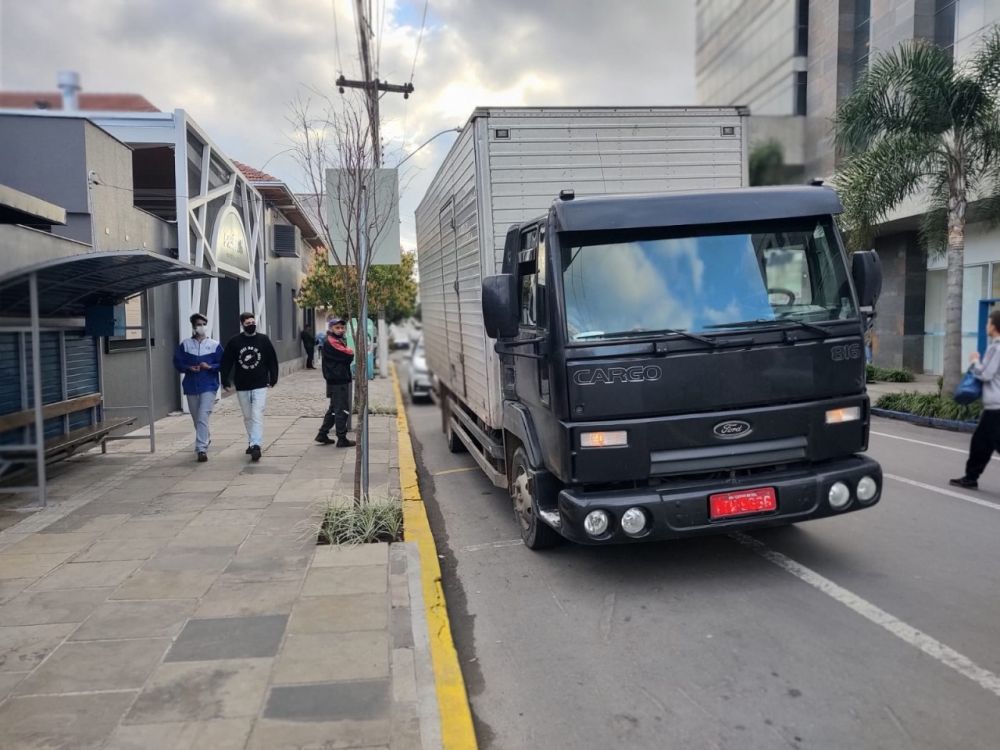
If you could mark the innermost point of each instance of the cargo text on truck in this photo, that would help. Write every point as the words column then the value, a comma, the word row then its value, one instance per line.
column 664, row 352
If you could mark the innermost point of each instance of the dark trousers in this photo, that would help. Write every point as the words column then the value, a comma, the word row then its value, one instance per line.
column 309, row 356
column 339, row 411
column 985, row 440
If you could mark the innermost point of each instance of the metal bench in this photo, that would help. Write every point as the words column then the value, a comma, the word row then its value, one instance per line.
column 65, row 445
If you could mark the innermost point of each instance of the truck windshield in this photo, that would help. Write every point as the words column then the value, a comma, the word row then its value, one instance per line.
column 748, row 276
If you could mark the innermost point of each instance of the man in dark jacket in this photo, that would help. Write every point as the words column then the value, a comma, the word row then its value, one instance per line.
column 308, row 339
column 199, row 358
column 249, row 360
column 337, row 358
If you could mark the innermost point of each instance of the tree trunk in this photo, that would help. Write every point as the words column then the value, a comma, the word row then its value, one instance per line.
column 953, row 364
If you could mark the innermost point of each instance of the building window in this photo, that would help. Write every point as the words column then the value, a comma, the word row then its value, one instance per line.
column 802, row 28
column 279, row 308
column 129, row 318
column 862, row 37
column 944, row 25
column 801, row 90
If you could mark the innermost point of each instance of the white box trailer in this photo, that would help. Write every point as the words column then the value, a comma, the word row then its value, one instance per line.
column 506, row 167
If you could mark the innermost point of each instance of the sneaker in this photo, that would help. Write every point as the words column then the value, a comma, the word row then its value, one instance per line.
column 249, row 450
column 323, row 439
column 255, row 453
column 202, row 457
column 343, row 442
column 964, row 482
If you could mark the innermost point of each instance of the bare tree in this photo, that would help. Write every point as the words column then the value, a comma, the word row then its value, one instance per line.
column 333, row 146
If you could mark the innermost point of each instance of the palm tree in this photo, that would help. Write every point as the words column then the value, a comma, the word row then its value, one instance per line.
column 920, row 124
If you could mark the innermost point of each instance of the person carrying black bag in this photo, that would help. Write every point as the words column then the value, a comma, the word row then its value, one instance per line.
column 308, row 339
column 986, row 438
column 337, row 358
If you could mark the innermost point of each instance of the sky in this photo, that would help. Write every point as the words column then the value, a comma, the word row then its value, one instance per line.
column 237, row 66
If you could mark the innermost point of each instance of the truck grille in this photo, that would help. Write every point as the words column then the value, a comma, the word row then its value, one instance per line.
column 726, row 457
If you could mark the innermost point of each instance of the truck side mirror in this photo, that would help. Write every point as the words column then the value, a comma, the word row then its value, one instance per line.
column 866, row 269
column 500, row 307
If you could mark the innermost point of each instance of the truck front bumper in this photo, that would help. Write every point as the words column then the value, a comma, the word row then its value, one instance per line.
column 679, row 509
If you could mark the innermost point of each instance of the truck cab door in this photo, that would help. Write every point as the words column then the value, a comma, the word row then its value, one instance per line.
column 532, row 367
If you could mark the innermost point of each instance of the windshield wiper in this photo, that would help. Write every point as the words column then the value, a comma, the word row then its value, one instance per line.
column 641, row 336
column 779, row 322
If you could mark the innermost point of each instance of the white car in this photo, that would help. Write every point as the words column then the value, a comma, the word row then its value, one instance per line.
column 420, row 376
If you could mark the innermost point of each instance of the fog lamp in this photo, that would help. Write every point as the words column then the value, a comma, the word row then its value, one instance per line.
column 840, row 496
column 867, row 489
column 596, row 522
column 634, row 521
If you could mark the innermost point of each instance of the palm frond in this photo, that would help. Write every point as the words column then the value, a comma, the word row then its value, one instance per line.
column 985, row 63
column 909, row 89
column 875, row 181
column 934, row 222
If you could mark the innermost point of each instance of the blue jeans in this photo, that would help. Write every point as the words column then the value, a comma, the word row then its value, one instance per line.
column 200, row 405
column 252, row 405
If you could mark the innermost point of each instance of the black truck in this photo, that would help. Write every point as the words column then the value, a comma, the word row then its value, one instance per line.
column 657, row 366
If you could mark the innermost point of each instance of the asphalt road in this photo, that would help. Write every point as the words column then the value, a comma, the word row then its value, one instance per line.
column 878, row 629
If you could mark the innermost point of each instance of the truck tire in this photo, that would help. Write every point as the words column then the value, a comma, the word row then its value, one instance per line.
column 535, row 532
column 455, row 445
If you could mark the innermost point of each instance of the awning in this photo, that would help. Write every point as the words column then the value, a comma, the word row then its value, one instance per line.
column 68, row 286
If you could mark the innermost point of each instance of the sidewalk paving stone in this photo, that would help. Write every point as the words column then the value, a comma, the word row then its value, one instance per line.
column 121, row 549
column 24, row 648
column 229, row 638
column 317, row 657
column 82, row 575
column 230, row 599
column 217, row 734
column 80, row 722
column 166, row 584
column 155, row 619
column 90, row 666
column 52, row 607
column 200, row 691
column 366, row 579
column 334, row 614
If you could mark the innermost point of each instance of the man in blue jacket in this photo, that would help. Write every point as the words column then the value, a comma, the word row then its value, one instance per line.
column 199, row 358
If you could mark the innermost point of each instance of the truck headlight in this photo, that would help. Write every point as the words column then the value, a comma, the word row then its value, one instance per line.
column 846, row 414
column 617, row 439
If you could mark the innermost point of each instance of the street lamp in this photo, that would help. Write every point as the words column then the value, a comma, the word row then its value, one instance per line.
column 436, row 135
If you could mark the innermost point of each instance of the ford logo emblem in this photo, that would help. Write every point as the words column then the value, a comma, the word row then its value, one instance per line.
column 732, row 429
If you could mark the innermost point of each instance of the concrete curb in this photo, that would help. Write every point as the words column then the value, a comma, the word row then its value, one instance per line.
column 942, row 424
column 457, row 732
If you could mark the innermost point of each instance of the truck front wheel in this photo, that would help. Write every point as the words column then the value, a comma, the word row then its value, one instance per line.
column 534, row 531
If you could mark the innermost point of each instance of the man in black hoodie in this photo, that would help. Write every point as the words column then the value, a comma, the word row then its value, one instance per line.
column 337, row 358
column 249, row 360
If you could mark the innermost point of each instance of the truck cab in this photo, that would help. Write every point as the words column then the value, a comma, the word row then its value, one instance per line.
column 682, row 364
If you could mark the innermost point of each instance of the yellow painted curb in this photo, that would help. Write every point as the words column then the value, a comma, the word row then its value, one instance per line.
column 457, row 732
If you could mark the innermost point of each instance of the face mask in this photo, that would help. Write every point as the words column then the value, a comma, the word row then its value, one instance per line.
column 200, row 330
column 250, row 330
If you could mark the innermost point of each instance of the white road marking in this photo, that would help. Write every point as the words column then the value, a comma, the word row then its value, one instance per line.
column 446, row 472
column 929, row 445
column 942, row 491
column 906, row 633
column 493, row 545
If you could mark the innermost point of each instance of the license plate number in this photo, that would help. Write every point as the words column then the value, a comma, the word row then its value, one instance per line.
column 742, row 503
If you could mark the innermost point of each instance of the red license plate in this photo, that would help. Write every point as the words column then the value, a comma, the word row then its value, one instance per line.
column 743, row 503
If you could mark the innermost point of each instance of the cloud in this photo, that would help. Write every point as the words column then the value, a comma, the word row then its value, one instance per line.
column 236, row 65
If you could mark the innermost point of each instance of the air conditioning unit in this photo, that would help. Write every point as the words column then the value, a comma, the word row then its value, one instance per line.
column 286, row 241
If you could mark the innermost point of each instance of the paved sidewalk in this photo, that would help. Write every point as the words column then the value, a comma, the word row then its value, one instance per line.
column 161, row 603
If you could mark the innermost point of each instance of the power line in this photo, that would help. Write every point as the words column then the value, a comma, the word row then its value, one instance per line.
column 420, row 38
column 336, row 37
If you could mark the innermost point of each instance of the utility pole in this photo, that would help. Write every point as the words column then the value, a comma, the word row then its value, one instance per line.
column 372, row 87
